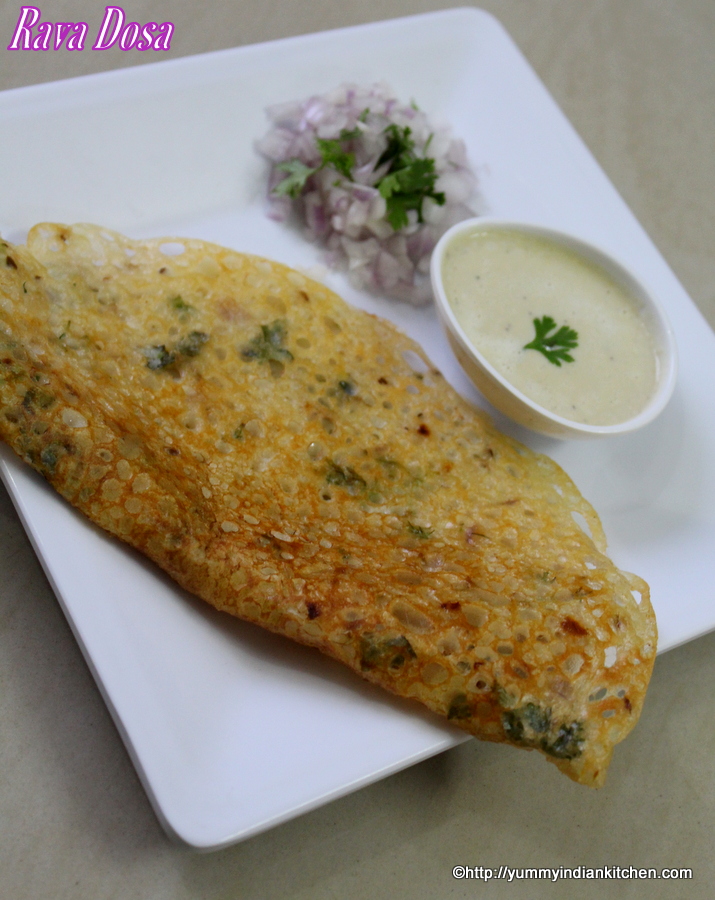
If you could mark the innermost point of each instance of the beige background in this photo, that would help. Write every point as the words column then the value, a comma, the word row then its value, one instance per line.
column 637, row 80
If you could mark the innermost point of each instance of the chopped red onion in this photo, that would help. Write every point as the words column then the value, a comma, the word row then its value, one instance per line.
column 349, row 216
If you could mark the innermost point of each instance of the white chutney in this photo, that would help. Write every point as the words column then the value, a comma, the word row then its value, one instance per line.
column 497, row 281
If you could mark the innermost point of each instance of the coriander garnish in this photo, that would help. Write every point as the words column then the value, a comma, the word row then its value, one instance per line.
column 297, row 175
column 404, row 185
column 191, row 344
column 158, row 357
column 554, row 346
column 424, row 534
column 409, row 178
column 331, row 154
column 267, row 345
column 345, row 477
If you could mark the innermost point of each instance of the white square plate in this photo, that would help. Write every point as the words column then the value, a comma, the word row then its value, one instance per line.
column 233, row 730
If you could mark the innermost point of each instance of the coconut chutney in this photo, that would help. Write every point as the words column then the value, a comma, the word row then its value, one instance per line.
column 498, row 281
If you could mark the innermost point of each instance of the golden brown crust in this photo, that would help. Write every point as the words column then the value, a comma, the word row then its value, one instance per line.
column 300, row 464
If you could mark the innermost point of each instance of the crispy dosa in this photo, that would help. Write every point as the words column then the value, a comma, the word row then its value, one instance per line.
column 300, row 464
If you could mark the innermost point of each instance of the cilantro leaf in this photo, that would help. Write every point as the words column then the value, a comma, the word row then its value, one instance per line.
column 409, row 178
column 345, row 477
column 417, row 176
column 424, row 534
column 406, row 188
column 352, row 134
column 554, row 346
column 298, row 174
column 399, row 149
column 267, row 345
column 396, row 214
column 333, row 154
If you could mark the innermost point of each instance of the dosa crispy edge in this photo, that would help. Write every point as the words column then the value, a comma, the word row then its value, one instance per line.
column 300, row 464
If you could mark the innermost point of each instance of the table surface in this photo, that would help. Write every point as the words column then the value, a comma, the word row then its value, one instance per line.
column 636, row 79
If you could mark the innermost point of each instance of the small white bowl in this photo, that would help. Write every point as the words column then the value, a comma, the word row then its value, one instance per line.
column 508, row 399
